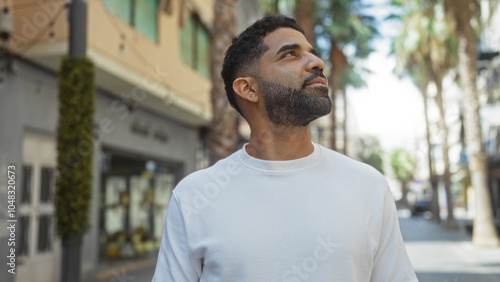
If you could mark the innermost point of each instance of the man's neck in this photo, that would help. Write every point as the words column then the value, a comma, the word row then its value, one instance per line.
column 280, row 143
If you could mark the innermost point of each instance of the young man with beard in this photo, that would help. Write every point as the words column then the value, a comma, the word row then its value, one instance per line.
column 282, row 208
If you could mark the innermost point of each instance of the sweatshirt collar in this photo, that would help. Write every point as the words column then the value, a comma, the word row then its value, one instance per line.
column 280, row 166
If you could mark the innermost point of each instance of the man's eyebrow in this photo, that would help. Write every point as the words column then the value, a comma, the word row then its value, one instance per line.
column 286, row 47
column 293, row 46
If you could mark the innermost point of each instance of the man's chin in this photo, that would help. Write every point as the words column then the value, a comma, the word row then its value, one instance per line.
column 316, row 90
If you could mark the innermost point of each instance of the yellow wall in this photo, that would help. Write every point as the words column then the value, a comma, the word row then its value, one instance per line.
column 32, row 18
column 106, row 33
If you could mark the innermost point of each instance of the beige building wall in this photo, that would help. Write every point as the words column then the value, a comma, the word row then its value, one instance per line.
column 119, row 50
column 177, row 102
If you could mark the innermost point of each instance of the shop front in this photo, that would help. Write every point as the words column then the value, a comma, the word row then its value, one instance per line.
column 135, row 192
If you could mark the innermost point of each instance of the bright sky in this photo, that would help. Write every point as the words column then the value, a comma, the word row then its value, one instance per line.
column 389, row 108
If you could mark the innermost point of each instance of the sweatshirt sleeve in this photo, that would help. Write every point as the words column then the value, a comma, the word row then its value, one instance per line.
column 391, row 262
column 174, row 262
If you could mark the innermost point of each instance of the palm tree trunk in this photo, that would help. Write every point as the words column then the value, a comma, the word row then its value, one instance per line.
column 404, row 192
column 304, row 14
column 334, row 82
column 339, row 63
column 223, row 136
column 432, row 175
column 344, row 121
column 451, row 223
column 333, row 118
column 484, row 232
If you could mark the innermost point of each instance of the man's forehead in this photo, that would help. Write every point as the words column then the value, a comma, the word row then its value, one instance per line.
column 283, row 36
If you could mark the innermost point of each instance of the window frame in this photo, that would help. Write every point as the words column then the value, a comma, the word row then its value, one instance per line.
column 193, row 59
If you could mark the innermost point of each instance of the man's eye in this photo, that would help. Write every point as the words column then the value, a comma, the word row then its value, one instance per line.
column 288, row 54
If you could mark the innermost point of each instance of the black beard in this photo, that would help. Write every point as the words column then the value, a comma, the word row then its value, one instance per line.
column 294, row 107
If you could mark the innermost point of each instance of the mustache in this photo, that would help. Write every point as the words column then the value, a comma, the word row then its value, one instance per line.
column 316, row 73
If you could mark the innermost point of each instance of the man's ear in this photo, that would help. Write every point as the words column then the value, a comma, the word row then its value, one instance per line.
column 246, row 87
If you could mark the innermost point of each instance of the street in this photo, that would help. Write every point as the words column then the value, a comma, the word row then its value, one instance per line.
column 437, row 255
column 440, row 255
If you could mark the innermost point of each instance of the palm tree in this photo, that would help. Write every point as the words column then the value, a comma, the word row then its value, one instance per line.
column 422, row 82
column 412, row 65
column 352, row 77
column 344, row 24
column 465, row 15
column 423, row 86
column 223, row 136
column 424, row 50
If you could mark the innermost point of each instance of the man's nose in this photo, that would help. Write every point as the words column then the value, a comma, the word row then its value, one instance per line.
column 314, row 63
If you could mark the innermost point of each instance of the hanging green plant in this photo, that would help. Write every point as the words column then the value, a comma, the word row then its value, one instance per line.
column 75, row 145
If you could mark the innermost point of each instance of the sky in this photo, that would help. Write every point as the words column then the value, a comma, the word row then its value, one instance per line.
column 389, row 108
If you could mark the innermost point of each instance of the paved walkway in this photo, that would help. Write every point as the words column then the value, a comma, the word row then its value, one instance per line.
column 440, row 255
column 437, row 255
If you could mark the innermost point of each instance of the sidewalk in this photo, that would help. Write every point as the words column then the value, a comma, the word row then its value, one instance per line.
column 437, row 255
column 440, row 255
column 124, row 271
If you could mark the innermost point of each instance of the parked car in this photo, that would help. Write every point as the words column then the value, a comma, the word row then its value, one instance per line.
column 420, row 201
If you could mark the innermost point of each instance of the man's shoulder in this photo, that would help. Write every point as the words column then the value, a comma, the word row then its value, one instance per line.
column 351, row 166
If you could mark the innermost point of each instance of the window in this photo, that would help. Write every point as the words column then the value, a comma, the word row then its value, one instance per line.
column 195, row 45
column 47, row 183
column 26, row 185
column 22, row 249
column 141, row 14
column 44, row 227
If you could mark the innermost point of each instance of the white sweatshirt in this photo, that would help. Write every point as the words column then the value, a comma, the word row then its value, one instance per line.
column 323, row 217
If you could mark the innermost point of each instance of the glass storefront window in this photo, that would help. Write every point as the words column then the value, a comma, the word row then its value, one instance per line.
column 135, row 197
column 114, row 210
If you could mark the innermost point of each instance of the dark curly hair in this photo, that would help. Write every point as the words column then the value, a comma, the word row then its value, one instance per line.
column 247, row 48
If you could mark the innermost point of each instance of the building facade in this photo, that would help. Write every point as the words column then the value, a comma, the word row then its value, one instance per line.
column 152, row 98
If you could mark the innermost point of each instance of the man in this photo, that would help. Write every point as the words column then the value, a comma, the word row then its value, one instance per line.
column 282, row 208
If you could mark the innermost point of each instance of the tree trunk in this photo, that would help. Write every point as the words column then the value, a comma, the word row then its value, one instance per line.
column 304, row 14
column 223, row 136
column 339, row 63
column 432, row 175
column 334, row 82
column 344, row 121
column 451, row 223
column 404, row 192
column 484, row 232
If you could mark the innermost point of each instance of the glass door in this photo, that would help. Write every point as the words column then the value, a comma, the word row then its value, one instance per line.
column 38, row 247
